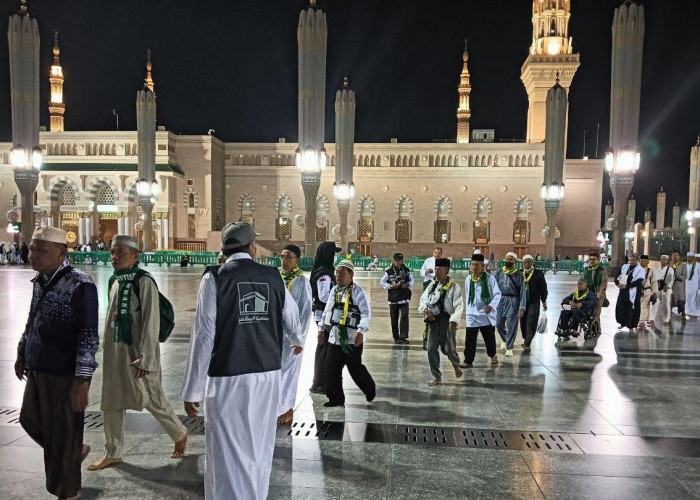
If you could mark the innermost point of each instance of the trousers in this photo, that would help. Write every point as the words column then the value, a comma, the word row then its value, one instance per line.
column 569, row 320
column 398, row 314
column 507, row 326
column 159, row 407
column 488, row 333
column 49, row 419
column 665, row 307
column 336, row 360
column 320, row 361
column 648, row 310
column 440, row 338
column 528, row 323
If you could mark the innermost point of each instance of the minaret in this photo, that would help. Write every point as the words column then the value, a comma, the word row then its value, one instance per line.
column 147, row 187
column 661, row 209
column 551, row 51
column 676, row 217
column 57, row 107
column 463, row 110
column 148, row 82
column 647, row 215
column 694, row 193
column 631, row 213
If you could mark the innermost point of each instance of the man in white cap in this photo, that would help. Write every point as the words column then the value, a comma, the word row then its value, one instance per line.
column 428, row 268
column 56, row 354
column 347, row 314
column 513, row 302
column 243, row 313
column 535, row 293
column 692, row 302
column 650, row 294
column 664, row 278
column 131, row 354
column 680, row 273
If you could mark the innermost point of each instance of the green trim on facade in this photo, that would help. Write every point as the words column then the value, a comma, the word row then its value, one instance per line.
column 106, row 167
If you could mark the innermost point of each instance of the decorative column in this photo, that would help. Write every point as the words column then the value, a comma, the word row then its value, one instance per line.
column 57, row 108
column 25, row 155
column 312, row 34
column 81, row 228
column 692, row 216
column 463, row 109
column 661, row 209
column 622, row 159
column 147, row 187
column 553, row 185
column 166, row 231
column 344, row 187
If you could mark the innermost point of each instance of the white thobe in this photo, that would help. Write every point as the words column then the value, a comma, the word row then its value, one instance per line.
column 428, row 269
column 692, row 304
column 476, row 311
column 240, row 411
column 666, row 274
column 291, row 363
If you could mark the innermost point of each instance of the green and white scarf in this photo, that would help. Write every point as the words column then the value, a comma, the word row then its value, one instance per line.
column 485, row 293
column 290, row 276
column 342, row 327
column 122, row 320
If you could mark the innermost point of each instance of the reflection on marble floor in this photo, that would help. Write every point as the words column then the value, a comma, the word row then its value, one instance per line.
column 618, row 385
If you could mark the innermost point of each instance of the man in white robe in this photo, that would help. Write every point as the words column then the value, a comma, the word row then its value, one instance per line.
column 664, row 278
column 241, row 404
column 428, row 269
column 300, row 288
column 692, row 304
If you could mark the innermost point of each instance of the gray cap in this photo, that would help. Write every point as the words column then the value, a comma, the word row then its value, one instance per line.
column 125, row 240
column 237, row 234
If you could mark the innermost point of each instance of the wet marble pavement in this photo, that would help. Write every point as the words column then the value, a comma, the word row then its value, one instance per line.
column 617, row 396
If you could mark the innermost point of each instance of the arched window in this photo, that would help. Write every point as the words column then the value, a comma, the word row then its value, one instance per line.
column 323, row 208
column 67, row 195
column 190, row 200
column 482, row 225
column 365, row 224
column 104, row 195
column 403, row 226
column 442, row 226
column 246, row 206
column 521, row 225
column 283, row 222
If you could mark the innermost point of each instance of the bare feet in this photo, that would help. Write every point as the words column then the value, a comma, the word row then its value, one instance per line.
column 286, row 417
column 458, row 373
column 180, row 447
column 103, row 463
column 434, row 382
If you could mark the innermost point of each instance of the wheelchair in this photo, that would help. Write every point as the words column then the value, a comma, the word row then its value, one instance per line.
column 588, row 326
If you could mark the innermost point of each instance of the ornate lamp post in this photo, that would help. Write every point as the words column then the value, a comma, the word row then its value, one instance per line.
column 622, row 159
column 25, row 155
column 147, row 187
column 344, row 187
column 553, row 185
column 311, row 160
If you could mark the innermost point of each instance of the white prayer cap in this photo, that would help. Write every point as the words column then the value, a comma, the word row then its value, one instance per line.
column 664, row 257
column 528, row 256
column 346, row 263
column 125, row 240
column 48, row 233
column 477, row 251
column 697, row 255
column 690, row 254
column 512, row 254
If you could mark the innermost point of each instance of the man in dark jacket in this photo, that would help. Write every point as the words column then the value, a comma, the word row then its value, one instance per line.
column 535, row 293
column 322, row 280
column 398, row 280
column 56, row 354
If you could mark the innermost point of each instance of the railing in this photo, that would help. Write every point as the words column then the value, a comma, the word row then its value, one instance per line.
column 170, row 258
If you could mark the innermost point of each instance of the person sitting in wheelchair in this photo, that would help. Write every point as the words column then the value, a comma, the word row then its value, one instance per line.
column 580, row 304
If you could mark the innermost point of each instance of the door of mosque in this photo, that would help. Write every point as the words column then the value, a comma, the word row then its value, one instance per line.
column 365, row 250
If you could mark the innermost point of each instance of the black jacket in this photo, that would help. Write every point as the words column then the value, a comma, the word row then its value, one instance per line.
column 537, row 288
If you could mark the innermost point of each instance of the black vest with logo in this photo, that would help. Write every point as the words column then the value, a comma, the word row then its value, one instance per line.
column 402, row 275
column 249, row 304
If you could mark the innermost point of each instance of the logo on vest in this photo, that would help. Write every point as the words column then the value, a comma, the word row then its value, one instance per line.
column 253, row 302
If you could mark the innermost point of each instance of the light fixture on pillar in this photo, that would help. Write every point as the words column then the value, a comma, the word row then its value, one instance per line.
column 625, row 162
column 342, row 191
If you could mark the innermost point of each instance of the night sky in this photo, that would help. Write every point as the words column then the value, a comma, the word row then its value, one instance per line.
column 232, row 66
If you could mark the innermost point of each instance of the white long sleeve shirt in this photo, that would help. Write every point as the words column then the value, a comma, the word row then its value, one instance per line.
column 428, row 264
column 204, row 330
column 476, row 314
column 454, row 302
column 386, row 285
column 359, row 298
column 323, row 285
column 662, row 274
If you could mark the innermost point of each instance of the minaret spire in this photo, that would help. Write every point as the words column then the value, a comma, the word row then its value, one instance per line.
column 57, row 107
column 464, row 90
column 148, row 82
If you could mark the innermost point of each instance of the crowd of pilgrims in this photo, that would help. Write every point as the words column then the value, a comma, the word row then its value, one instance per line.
column 248, row 337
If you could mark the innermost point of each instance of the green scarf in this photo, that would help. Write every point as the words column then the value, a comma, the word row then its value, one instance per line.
column 526, row 278
column 485, row 294
column 443, row 291
column 578, row 297
column 290, row 276
column 122, row 321
column 342, row 327
column 593, row 280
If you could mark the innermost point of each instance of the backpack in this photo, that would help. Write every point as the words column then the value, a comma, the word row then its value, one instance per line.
column 167, row 313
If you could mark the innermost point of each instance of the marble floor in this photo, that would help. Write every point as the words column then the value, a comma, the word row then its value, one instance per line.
column 630, row 406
